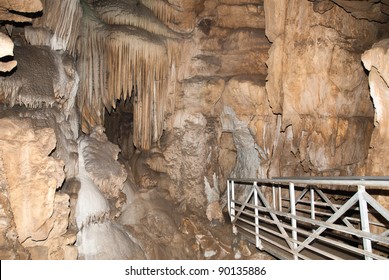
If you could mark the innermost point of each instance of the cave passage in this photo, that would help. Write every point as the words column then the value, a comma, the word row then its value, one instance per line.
column 119, row 127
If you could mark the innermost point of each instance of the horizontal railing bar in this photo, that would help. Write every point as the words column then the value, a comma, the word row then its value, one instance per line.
column 317, row 203
column 325, row 226
column 342, row 181
column 324, row 204
column 356, row 232
column 351, row 219
column 319, row 213
column 262, row 237
column 309, row 247
column 287, row 249
column 306, row 233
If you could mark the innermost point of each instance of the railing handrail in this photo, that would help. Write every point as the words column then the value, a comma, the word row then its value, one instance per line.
column 356, row 199
column 367, row 181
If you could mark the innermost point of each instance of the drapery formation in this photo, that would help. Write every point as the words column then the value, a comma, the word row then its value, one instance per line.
column 125, row 53
column 124, row 49
column 58, row 26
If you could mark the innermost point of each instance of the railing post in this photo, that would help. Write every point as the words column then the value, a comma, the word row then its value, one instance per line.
column 364, row 214
column 312, row 196
column 279, row 198
column 257, row 240
column 229, row 197
column 274, row 196
column 293, row 212
column 234, row 229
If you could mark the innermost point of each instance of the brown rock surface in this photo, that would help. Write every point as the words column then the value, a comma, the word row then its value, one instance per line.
column 317, row 83
column 14, row 11
column 29, row 173
column 206, row 100
column 376, row 60
column 31, row 179
column 8, row 9
column 6, row 49
column 99, row 154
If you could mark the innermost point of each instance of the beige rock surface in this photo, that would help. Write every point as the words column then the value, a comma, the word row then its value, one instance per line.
column 6, row 49
column 31, row 179
column 99, row 154
column 376, row 60
column 31, row 172
column 14, row 11
column 234, row 105
column 8, row 9
column 10, row 247
column 317, row 83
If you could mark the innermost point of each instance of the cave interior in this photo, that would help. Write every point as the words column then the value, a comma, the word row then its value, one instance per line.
column 121, row 120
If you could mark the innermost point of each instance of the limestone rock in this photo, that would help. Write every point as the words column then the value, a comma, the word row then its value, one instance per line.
column 6, row 49
column 99, row 154
column 10, row 247
column 237, row 16
column 371, row 10
column 7, row 9
column 59, row 87
column 214, row 212
column 376, row 61
column 32, row 176
column 14, row 11
column 40, row 213
column 317, row 84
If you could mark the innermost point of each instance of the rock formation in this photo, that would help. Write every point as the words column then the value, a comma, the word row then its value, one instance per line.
column 7, row 47
column 14, row 11
column 123, row 118
column 375, row 60
column 32, row 177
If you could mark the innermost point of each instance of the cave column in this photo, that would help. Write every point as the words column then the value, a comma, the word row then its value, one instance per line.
column 376, row 60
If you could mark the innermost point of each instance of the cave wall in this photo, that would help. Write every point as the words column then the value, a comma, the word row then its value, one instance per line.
column 318, row 85
column 250, row 89
column 219, row 89
column 376, row 61
column 282, row 93
column 34, row 215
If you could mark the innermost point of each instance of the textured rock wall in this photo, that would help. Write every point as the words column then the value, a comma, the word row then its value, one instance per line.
column 255, row 89
column 243, row 107
column 31, row 178
column 211, row 105
column 376, row 61
column 318, row 85
column 14, row 11
column 39, row 126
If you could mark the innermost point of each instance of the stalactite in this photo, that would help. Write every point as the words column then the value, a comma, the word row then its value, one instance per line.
column 133, row 13
column 59, row 89
column 58, row 26
column 162, row 10
column 117, row 59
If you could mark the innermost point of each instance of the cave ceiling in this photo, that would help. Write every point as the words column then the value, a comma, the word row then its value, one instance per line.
column 372, row 10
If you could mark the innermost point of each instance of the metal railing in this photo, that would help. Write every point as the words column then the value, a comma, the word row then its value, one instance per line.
column 313, row 217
